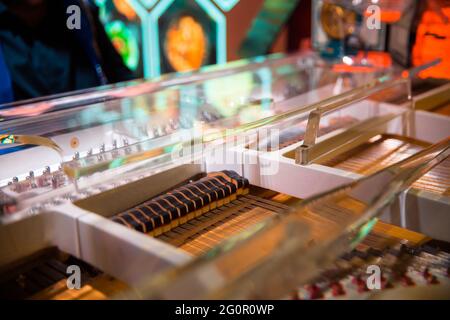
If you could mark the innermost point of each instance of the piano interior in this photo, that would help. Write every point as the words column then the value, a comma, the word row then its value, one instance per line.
column 118, row 206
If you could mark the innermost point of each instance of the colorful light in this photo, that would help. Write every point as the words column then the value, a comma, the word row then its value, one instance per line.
column 7, row 139
column 186, row 44
column 125, row 43
column 154, row 46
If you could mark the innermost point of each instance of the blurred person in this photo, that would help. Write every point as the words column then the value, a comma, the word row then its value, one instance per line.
column 40, row 55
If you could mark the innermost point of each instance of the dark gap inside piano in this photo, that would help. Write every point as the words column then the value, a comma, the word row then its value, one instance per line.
column 43, row 275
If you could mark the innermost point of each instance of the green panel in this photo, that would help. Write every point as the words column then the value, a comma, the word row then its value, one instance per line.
column 266, row 26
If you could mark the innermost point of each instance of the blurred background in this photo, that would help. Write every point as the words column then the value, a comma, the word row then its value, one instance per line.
column 120, row 40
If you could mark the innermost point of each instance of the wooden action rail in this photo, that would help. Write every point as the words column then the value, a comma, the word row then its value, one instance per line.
column 182, row 204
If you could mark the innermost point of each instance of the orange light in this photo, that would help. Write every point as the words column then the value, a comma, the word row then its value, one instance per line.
column 376, row 60
column 387, row 16
column 432, row 42
column 119, row 44
column 353, row 69
column 125, row 8
column 185, row 44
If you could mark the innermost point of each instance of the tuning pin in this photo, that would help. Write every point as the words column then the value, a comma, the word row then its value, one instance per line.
column 155, row 133
column 36, row 209
column 73, row 196
column 102, row 150
column 54, row 182
column 57, row 201
column 15, row 179
column 30, row 182
column 47, row 170
column 31, row 179
column 115, row 153
column 126, row 145
column 173, row 124
column 76, row 156
column 89, row 153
